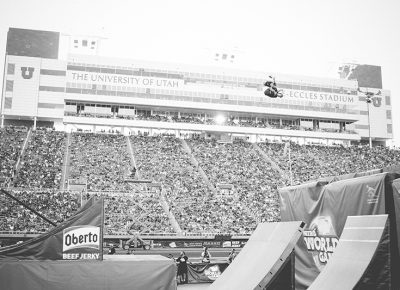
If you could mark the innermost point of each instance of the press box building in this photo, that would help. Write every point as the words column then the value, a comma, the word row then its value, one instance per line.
column 87, row 91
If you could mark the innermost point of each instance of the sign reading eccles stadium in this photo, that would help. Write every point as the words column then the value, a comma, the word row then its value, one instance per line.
column 81, row 242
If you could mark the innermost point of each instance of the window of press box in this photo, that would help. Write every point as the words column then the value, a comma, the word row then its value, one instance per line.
column 389, row 128
column 9, row 85
column 387, row 100
column 10, row 68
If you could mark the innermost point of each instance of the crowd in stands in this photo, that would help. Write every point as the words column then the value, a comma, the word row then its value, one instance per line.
column 204, row 184
column 255, row 181
column 138, row 212
column 11, row 142
column 303, row 163
column 299, row 163
column 193, row 204
column 55, row 205
column 41, row 165
column 100, row 159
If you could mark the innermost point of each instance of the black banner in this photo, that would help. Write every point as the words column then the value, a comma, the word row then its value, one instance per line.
column 205, row 272
column 324, row 207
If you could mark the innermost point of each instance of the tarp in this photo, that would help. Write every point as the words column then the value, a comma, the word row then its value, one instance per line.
column 362, row 257
column 259, row 264
column 324, row 208
column 79, row 237
column 396, row 205
column 146, row 272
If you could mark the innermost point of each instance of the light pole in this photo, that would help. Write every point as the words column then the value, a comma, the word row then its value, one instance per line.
column 368, row 99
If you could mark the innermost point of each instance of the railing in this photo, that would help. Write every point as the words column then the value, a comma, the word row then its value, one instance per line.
column 161, row 234
column 250, row 124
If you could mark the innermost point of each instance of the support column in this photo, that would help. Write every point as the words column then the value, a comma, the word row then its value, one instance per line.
column 34, row 122
column 2, row 121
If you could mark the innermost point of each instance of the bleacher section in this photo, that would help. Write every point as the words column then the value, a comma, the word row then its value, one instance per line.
column 11, row 141
column 101, row 159
column 42, row 160
column 209, row 187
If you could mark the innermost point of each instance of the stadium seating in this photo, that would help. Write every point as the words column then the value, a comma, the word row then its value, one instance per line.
column 53, row 204
column 209, row 187
column 41, row 165
column 11, row 141
column 163, row 160
column 255, row 182
column 101, row 159
column 140, row 212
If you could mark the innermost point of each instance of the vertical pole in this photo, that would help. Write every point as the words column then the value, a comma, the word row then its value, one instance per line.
column 3, row 90
column 290, row 167
column 369, row 127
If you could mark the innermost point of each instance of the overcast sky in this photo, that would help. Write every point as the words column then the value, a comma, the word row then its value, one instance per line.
column 306, row 37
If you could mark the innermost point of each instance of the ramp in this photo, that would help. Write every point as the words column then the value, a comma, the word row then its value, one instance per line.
column 362, row 257
column 264, row 260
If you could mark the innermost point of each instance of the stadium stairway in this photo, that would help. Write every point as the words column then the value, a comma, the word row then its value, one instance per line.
column 133, row 160
column 168, row 212
column 128, row 141
column 163, row 200
column 65, row 167
column 195, row 163
column 18, row 163
column 267, row 159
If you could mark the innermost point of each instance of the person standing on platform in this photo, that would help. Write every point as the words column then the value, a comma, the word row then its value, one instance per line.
column 205, row 255
column 111, row 250
column 232, row 256
column 182, row 268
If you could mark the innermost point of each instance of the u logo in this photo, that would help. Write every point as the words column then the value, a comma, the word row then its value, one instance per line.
column 377, row 101
column 27, row 72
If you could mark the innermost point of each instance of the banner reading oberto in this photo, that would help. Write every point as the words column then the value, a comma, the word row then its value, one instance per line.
column 81, row 242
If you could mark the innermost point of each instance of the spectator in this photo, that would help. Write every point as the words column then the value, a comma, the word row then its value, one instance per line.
column 182, row 268
column 232, row 256
column 205, row 256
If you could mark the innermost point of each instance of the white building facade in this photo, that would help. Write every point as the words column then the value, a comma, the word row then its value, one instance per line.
column 94, row 92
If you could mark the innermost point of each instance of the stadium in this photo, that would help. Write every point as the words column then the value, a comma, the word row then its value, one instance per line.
column 184, row 156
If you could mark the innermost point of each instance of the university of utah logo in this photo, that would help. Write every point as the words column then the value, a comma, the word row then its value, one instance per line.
column 27, row 72
column 377, row 101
